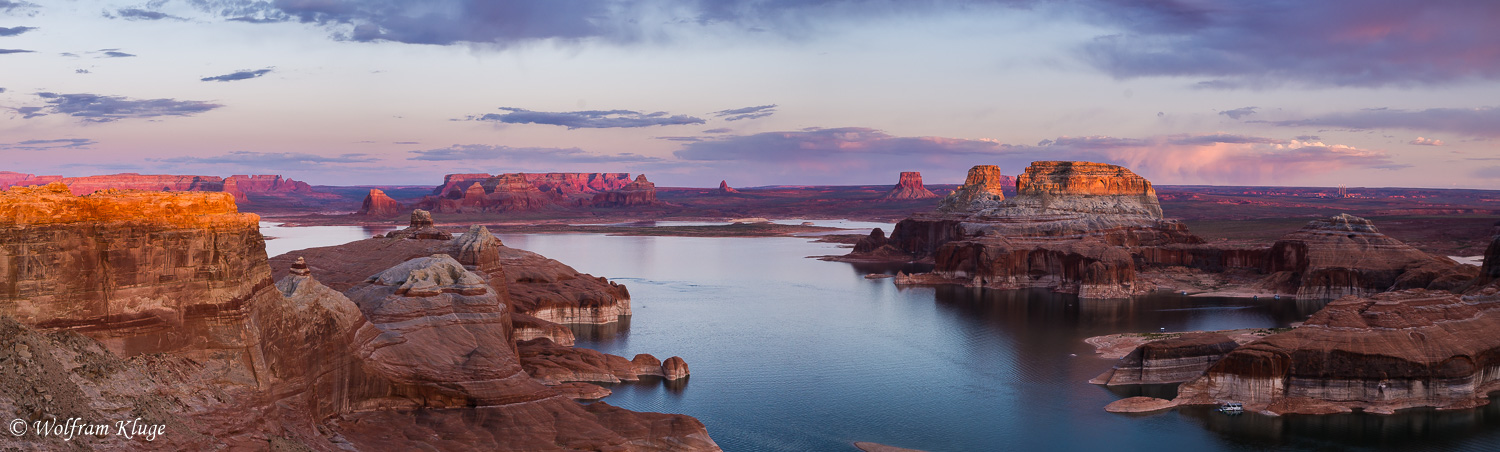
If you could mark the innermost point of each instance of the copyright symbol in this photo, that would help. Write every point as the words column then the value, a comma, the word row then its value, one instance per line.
column 18, row 427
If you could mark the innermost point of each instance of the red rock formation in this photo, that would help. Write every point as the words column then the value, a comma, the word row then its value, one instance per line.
column 1383, row 353
column 454, row 184
column 1347, row 255
column 1073, row 228
column 674, row 368
column 909, row 188
column 725, row 189
column 378, row 205
column 639, row 193
column 241, row 187
column 575, row 183
column 9, row 178
column 266, row 183
column 503, row 193
column 1172, row 360
column 981, row 191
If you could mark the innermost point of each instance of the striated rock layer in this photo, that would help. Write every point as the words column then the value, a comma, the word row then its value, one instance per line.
column 641, row 192
column 1390, row 351
column 377, row 204
column 1072, row 227
column 982, row 190
column 1173, row 360
column 177, row 285
column 909, row 188
column 1346, row 255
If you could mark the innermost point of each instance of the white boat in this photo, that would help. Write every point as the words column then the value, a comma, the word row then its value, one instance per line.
column 1232, row 408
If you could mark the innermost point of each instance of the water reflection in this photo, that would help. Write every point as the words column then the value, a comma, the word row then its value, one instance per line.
column 603, row 334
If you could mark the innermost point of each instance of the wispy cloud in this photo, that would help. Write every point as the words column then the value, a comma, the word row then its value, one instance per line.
column 13, row 31
column 100, row 108
column 140, row 14
column 43, row 145
column 736, row 114
column 269, row 159
column 9, row 5
column 525, row 155
column 719, row 130
column 589, row 119
column 237, row 75
column 1420, row 141
column 9, row 51
column 1477, row 122
column 1238, row 112
column 116, row 54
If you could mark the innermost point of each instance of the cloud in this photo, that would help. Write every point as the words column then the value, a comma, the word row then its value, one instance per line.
column 2, row 90
column 140, row 14
column 1426, row 142
column 8, row 5
column 99, row 108
column 850, row 154
column 1238, row 112
column 736, row 114
column 238, row 75
column 1488, row 172
column 269, row 159
column 12, row 31
column 590, row 119
column 116, row 54
column 1328, row 43
column 43, row 145
column 1477, row 122
column 525, row 155
column 719, row 130
column 80, row 71
column 6, row 51
column 686, row 139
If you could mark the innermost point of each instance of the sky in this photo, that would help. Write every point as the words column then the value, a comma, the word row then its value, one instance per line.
column 1373, row 93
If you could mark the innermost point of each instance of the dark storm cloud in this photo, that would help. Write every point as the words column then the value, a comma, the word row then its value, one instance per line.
column 13, row 31
column 736, row 114
column 1329, row 43
column 524, row 155
column 238, row 75
column 1238, row 112
column 100, row 108
column 589, row 119
column 1478, row 122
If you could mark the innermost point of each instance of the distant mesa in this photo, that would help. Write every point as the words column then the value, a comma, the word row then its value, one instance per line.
column 641, row 192
column 982, row 190
column 725, row 189
column 519, row 192
column 246, row 189
column 909, row 188
column 1346, row 255
column 378, row 205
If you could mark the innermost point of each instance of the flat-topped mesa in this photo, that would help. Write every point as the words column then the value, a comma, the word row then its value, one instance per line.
column 1081, row 188
column 266, row 184
column 575, row 183
column 502, row 193
column 133, row 181
column 909, row 187
column 55, row 204
column 725, row 189
column 378, row 205
column 1390, row 351
column 641, row 192
column 981, row 191
column 1346, row 255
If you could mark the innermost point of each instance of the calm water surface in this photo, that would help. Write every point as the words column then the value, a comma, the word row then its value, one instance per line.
column 796, row 354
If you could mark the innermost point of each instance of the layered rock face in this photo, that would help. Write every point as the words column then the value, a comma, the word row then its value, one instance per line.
column 1172, row 360
column 639, row 193
column 502, row 193
column 378, row 205
column 1395, row 350
column 1347, row 255
column 981, row 191
column 1073, row 227
column 242, row 187
column 725, row 189
column 909, row 188
column 142, row 272
column 1067, row 188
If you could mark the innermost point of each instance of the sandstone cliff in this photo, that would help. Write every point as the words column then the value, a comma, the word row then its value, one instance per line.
column 641, row 192
column 1347, row 255
column 981, row 191
column 1386, row 352
column 378, row 205
column 909, row 187
column 1172, row 360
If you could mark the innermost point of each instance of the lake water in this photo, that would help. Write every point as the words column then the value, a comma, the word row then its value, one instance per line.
column 796, row 354
column 281, row 239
